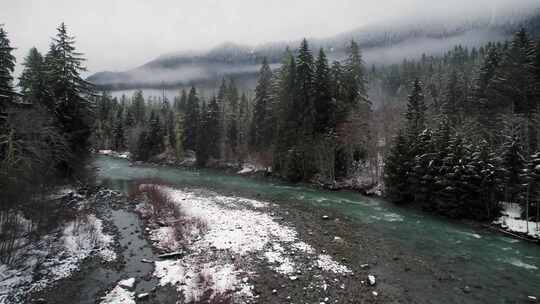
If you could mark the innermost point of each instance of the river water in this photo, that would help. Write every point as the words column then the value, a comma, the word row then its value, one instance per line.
column 508, row 270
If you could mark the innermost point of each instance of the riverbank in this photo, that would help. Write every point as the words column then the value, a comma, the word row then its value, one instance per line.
column 459, row 255
column 362, row 183
column 242, row 251
column 72, row 233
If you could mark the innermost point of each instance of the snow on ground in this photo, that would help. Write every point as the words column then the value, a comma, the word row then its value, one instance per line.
column 55, row 257
column 80, row 239
column 164, row 238
column 248, row 168
column 235, row 227
column 82, row 236
column 326, row 263
column 196, row 281
column 512, row 221
column 112, row 153
column 10, row 280
column 121, row 293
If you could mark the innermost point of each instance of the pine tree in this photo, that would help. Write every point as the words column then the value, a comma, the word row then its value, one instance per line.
column 212, row 128
column 138, row 106
column 243, row 120
column 515, row 87
column 155, row 135
column 354, row 82
column 513, row 163
column 232, row 118
column 533, row 178
column 453, row 105
column 258, row 139
column 223, row 102
column 485, row 164
column 178, row 135
column 397, row 168
column 482, row 96
column 416, row 109
column 191, row 122
column 119, row 141
column 7, row 66
column 70, row 92
column 180, row 102
column 202, row 150
column 453, row 178
column 324, row 104
column 286, row 122
column 32, row 79
column 302, row 117
column 423, row 170
column 303, row 104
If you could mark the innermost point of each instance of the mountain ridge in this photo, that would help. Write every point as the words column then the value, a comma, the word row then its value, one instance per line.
column 381, row 44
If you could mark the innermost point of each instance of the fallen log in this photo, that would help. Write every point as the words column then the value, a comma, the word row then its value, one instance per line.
column 170, row 255
column 515, row 235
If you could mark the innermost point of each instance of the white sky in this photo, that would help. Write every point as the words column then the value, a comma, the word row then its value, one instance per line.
column 121, row 34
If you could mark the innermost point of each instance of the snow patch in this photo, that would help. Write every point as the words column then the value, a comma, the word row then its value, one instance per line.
column 124, row 155
column 55, row 257
column 127, row 283
column 234, row 227
column 197, row 280
column 511, row 220
column 326, row 263
column 119, row 295
column 248, row 168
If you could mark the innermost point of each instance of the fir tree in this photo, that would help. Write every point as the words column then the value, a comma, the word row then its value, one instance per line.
column 202, row 145
column 303, row 104
column 485, row 164
column 191, row 122
column 119, row 140
column 232, row 118
column 7, row 66
column 397, row 169
column 180, row 102
column 423, row 169
column 258, row 139
column 513, row 163
column 212, row 128
column 416, row 109
column 178, row 135
column 155, row 135
column 454, row 99
column 32, row 79
column 243, row 120
column 138, row 107
column 354, row 82
column 70, row 92
column 324, row 104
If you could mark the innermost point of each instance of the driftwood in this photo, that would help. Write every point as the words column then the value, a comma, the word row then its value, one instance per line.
column 170, row 255
column 516, row 235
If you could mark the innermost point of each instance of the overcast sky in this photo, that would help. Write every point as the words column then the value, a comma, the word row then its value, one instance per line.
column 121, row 34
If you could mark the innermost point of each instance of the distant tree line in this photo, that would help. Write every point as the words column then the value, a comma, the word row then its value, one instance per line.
column 307, row 119
column 471, row 132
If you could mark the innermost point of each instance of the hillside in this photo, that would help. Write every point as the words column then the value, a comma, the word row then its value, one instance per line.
column 381, row 45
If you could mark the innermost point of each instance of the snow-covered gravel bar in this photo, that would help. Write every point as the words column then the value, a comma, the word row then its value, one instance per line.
column 239, row 234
